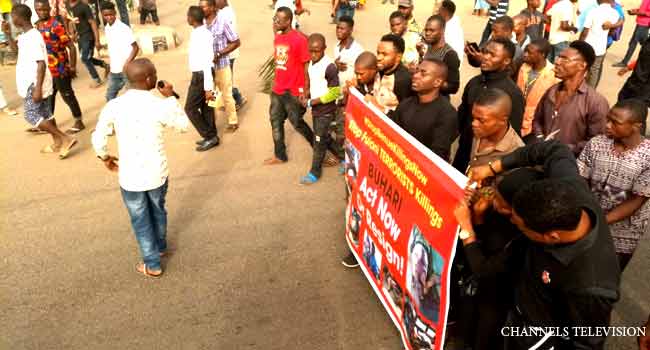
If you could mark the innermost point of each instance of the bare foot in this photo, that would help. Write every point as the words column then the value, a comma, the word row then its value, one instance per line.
column 273, row 161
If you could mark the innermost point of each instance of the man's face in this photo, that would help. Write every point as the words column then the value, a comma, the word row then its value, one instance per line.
column 569, row 63
column 520, row 25
column 208, row 10
column 398, row 26
column 534, row 3
column 42, row 10
column 316, row 50
column 426, row 78
column 387, row 56
column 620, row 124
column 499, row 30
column 444, row 13
column 532, row 55
column 109, row 16
column 343, row 31
column 281, row 22
column 365, row 75
column 488, row 120
column 406, row 11
column 433, row 32
column 495, row 58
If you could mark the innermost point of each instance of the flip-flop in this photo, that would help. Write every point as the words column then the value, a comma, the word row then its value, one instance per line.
column 142, row 268
column 49, row 149
column 36, row 131
column 73, row 130
column 66, row 150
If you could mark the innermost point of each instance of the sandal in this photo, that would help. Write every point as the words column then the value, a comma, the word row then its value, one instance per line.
column 142, row 268
column 73, row 130
column 35, row 131
column 66, row 150
column 50, row 149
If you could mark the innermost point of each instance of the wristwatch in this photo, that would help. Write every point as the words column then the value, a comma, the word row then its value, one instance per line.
column 464, row 234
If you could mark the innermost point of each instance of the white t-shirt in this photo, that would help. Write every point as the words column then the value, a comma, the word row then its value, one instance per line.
column 119, row 38
column 454, row 36
column 562, row 11
column 597, row 36
column 347, row 56
column 292, row 6
column 31, row 48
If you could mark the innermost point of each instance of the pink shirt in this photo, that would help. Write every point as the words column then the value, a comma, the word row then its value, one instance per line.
column 645, row 8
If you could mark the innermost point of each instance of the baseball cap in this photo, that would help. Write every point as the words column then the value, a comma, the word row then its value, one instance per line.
column 405, row 3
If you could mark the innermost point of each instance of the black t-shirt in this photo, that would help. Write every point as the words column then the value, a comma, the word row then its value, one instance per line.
column 535, row 31
column 83, row 13
column 434, row 124
column 402, row 87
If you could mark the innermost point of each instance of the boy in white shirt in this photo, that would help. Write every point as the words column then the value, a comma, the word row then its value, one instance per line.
column 563, row 20
column 122, row 48
column 33, row 80
column 599, row 22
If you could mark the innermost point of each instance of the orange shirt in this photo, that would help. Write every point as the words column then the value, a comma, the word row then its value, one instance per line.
column 533, row 92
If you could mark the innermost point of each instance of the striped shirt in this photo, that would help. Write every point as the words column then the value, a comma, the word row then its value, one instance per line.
column 223, row 31
column 498, row 11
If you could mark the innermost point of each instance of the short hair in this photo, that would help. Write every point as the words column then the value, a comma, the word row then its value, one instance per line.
column 316, row 37
column 449, row 6
column 439, row 19
column 106, row 5
column 492, row 97
column 396, row 40
column 444, row 70
column 366, row 59
column 396, row 14
column 210, row 2
column 42, row 2
column 585, row 50
column 636, row 108
column 196, row 14
column 506, row 21
column 542, row 45
column 287, row 11
column 23, row 11
column 549, row 204
column 514, row 180
column 348, row 20
column 507, row 44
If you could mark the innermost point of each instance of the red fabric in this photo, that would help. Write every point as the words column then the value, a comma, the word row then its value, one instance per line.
column 291, row 54
column 299, row 6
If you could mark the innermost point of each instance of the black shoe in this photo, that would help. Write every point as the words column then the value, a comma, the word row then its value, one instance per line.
column 206, row 145
column 350, row 261
column 200, row 142
column 619, row 65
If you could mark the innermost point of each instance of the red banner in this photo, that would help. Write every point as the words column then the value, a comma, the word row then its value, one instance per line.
column 399, row 221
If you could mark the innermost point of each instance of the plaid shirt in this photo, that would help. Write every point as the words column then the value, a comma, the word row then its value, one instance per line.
column 56, row 42
column 222, row 31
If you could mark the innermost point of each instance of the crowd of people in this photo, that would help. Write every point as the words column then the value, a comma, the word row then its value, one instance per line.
column 531, row 125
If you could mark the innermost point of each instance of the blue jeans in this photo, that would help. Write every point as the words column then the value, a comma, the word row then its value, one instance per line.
column 86, row 51
column 149, row 222
column 639, row 36
column 124, row 11
column 116, row 82
column 344, row 10
column 556, row 50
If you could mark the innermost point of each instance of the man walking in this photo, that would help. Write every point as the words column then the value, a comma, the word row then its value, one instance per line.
column 88, row 38
column 597, row 26
column 137, row 118
column 62, row 61
column 641, row 31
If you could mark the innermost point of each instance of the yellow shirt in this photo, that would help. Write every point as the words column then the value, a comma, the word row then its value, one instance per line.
column 5, row 6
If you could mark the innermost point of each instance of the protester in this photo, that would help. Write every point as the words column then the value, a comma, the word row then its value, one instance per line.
column 495, row 71
column 62, row 62
column 617, row 169
column 562, row 26
column 122, row 48
column 410, row 57
column 290, row 85
column 641, row 31
column 429, row 117
column 224, row 40
column 571, row 111
column 343, row 8
column 88, row 39
column 535, row 28
column 146, row 9
column 437, row 48
column 365, row 74
column 406, row 8
column 453, row 29
column 502, row 28
column 536, row 76
column 498, row 8
column 638, row 84
column 520, row 25
column 199, row 93
column 393, row 82
column 229, row 13
column 324, row 90
column 137, row 118
column 556, row 285
column 599, row 22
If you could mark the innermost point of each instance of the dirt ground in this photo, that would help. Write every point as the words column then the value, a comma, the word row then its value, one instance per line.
column 256, row 257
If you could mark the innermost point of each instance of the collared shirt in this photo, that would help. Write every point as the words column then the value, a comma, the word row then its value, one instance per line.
column 510, row 142
column 56, row 43
column 569, row 285
column 347, row 55
column 229, row 14
column 454, row 36
column 31, row 49
column 533, row 89
column 223, row 32
column 120, row 41
column 580, row 118
column 138, row 118
column 597, row 36
column 201, row 54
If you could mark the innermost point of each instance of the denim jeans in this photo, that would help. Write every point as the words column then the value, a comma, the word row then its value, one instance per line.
column 556, row 50
column 344, row 10
column 596, row 70
column 86, row 51
column 283, row 107
column 116, row 82
column 235, row 91
column 639, row 36
column 323, row 142
column 149, row 222
column 124, row 11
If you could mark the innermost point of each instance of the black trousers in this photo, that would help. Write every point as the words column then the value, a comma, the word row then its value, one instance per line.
column 64, row 86
column 322, row 142
column 196, row 107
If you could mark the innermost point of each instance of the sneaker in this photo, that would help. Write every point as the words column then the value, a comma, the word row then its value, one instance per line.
column 308, row 179
column 619, row 65
column 350, row 261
